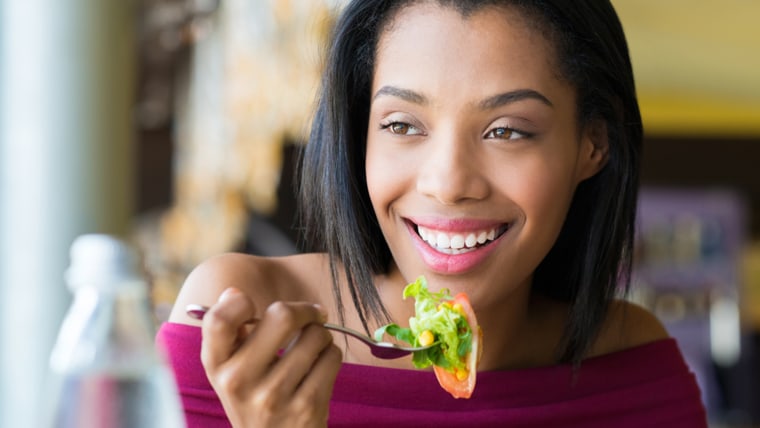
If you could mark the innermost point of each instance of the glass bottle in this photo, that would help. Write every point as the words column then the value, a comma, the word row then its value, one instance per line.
column 105, row 369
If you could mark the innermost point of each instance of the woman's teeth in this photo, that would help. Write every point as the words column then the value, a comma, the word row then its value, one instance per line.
column 457, row 243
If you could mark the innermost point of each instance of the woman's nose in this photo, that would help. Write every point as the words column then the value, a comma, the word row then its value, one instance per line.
column 451, row 171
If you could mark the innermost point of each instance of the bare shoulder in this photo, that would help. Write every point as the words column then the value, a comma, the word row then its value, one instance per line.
column 627, row 325
column 263, row 279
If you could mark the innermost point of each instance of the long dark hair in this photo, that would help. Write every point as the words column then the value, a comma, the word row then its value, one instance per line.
column 591, row 259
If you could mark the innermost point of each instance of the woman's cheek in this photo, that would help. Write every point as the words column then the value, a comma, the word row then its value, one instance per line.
column 380, row 177
column 544, row 197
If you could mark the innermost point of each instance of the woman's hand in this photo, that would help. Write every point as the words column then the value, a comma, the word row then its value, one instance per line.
column 276, row 373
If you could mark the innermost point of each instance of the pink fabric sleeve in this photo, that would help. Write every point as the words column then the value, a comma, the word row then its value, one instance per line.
column 181, row 345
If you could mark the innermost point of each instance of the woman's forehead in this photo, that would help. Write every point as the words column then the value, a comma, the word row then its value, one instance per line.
column 505, row 22
column 493, row 47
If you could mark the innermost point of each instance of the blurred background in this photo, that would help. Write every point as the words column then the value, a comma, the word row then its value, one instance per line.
column 173, row 124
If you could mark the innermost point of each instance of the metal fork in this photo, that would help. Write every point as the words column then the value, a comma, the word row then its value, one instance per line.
column 384, row 350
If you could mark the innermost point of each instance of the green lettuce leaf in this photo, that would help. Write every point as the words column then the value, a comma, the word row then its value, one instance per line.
column 433, row 312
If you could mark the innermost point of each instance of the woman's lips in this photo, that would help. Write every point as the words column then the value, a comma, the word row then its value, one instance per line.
column 455, row 247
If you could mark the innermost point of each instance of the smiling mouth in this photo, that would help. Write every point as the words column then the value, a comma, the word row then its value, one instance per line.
column 459, row 242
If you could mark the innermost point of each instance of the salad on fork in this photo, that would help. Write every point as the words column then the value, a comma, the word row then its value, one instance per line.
column 449, row 324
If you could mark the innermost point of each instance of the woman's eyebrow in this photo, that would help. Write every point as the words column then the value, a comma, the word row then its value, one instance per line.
column 513, row 96
column 489, row 103
column 404, row 94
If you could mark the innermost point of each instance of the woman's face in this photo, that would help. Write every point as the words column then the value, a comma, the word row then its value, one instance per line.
column 473, row 149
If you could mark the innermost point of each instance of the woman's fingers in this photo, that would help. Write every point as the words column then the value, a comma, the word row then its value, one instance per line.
column 299, row 360
column 222, row 327
column 286, row 361
column 312, row 399
column 282, row 322
column 310, row 402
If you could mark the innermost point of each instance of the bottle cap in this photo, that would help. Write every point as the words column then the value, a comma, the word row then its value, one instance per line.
column 101, row 258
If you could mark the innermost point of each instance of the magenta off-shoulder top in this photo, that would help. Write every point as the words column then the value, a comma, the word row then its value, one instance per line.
column 646, row 386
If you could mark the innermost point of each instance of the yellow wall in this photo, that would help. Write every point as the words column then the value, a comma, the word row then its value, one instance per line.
column 697, row 64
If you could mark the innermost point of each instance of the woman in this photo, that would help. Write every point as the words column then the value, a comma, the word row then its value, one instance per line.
column 493, row 147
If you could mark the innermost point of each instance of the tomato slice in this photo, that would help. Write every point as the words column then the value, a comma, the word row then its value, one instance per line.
column 447, row 379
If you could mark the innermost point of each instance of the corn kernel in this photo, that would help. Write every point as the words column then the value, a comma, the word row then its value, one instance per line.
column 425, row 338
column 461, row 374
column 457, row 307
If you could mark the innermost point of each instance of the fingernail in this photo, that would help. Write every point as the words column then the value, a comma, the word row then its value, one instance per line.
column 226, row 294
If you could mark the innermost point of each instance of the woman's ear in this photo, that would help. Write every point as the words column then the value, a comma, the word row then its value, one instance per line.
column 594, row 150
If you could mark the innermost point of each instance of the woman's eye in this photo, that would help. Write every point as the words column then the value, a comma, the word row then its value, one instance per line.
column 504, row 133
column 401, row 128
